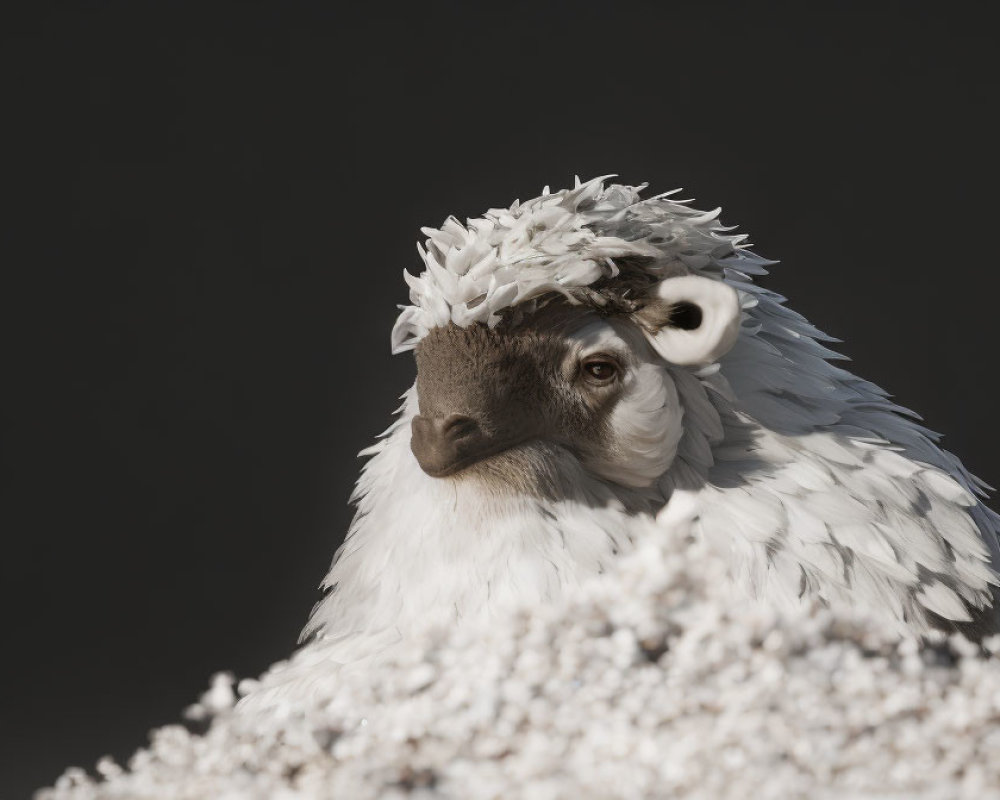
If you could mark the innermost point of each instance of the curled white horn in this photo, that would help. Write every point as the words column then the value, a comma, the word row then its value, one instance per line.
column 691, row 320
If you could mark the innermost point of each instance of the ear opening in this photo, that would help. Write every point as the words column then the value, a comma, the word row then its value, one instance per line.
column 691, row 320
column 684, row 315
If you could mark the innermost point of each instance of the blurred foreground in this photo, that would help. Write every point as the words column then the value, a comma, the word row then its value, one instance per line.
column 656, row 680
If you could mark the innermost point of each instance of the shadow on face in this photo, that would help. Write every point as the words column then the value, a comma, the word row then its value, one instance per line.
column 563, row 378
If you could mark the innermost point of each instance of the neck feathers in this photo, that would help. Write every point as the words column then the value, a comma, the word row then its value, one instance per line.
column 423, row 548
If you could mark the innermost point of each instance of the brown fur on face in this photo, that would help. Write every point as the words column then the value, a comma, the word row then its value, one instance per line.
column 483, row 391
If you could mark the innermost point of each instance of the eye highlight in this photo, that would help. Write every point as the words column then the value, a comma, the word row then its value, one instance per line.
column 599, row 370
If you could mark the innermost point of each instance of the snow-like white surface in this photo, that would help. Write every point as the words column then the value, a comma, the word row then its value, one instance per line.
column 654, row 681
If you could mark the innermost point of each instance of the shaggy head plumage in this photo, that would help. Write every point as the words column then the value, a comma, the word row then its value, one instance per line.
column 595, row 244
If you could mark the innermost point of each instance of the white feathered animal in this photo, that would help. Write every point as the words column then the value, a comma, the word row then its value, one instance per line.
column 590, row 362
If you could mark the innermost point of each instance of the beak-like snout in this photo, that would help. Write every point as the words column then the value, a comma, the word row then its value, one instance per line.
column 479, row 393
column 444, row 445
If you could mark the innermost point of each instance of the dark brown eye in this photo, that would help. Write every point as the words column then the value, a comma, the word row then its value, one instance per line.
column 600, row 370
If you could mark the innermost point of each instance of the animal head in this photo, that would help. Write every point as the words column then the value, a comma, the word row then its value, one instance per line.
column 545, row 324
column 591, row 362
column 592, row 382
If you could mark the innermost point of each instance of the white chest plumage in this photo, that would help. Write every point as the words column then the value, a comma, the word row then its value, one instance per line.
column 426, row 549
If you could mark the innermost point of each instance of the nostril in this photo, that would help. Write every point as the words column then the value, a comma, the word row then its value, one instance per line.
column 458, row 426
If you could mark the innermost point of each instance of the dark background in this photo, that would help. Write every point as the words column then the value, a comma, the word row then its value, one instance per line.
column 208, row 211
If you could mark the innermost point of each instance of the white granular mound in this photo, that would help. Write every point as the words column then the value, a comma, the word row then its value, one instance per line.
column 652, row 681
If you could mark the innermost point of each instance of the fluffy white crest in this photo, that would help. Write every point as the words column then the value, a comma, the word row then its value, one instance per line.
column 557, row 242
